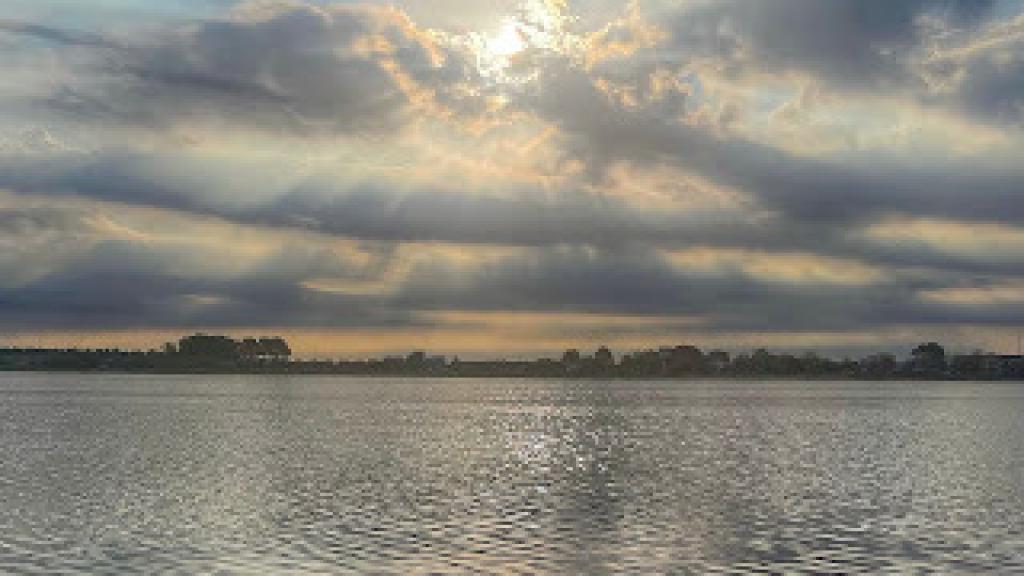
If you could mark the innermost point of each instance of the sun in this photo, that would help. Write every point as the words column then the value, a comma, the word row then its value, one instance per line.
column 511, row 54
column 502, row 53
column 509, row 41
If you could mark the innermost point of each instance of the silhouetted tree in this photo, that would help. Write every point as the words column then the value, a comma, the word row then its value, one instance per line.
column 929, row 357
column 208, row 346
column 275, row 347
column 685, row 360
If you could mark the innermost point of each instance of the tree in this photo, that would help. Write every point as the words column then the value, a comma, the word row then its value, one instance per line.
column 208, row 346
column 275, row 347
column 929, row 357
column 685, row 360
column 571, row 361
column 879, row 366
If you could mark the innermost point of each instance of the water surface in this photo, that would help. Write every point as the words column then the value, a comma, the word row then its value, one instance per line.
column 238, row 474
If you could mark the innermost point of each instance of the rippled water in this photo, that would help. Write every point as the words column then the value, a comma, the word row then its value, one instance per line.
column 108, row 474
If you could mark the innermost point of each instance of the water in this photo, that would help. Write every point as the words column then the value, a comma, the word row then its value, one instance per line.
column 156, row 474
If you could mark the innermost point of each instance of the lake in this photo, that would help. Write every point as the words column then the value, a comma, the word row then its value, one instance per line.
column 240, row 474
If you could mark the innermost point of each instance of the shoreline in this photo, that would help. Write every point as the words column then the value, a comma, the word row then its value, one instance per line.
column 606, row 378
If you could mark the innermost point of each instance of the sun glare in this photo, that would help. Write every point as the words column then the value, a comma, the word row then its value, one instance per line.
column 508, row 54
column 509, row 41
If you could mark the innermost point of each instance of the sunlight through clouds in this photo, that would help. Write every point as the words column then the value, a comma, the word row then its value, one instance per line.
column 392, row 167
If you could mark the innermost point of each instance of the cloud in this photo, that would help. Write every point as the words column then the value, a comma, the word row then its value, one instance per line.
column 642, row 282
column 131, row 268
column 956, row 54
column 287, row 68
column 309, row 165
column 58, row 35
column 784, row 268
column 852, row 43
column 814, row 191
column 252, row 193
column 979, row 295
column 952, row 239
column 795, row 204
column 82, row 263
column 982, row 74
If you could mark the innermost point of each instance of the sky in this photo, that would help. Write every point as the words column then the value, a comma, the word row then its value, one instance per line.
column 510, row 178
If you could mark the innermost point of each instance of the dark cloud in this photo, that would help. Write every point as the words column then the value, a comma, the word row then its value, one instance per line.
column 246, row 193
column 640, row 282
column 807, row 204
column 869, row 45
column 58, row 35
column 293, row 68
column 121, row 282
column 855, row 43
column 996, row 91
column 824, row 190
column 984, row 76
column 124, row 284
